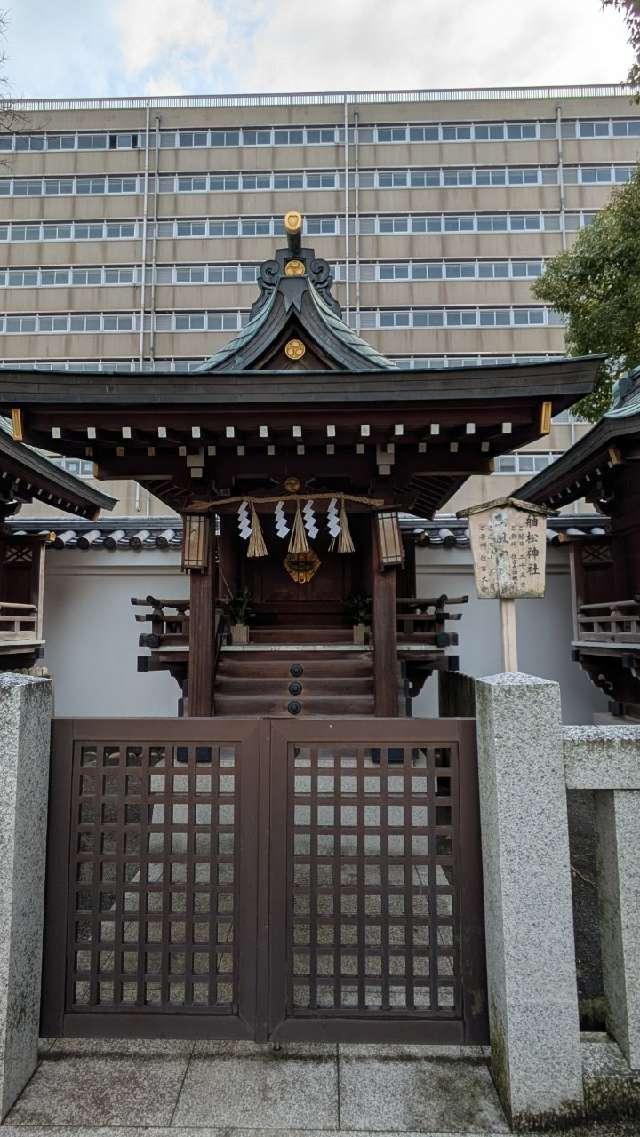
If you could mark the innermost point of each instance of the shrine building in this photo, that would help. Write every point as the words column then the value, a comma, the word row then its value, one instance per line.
column 290, row 454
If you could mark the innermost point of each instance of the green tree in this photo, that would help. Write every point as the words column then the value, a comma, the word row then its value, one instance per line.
column 596, row 286
column 630, row 9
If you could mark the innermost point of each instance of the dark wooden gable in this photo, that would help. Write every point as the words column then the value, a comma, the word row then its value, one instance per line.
column 296, row 323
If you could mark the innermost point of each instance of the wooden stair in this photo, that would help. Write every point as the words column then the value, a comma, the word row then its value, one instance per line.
column 294, row 681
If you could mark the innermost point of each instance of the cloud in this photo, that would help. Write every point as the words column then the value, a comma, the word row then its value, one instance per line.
column 134, row 47
column 150, row 32
column 168, row 41
column 435, row 43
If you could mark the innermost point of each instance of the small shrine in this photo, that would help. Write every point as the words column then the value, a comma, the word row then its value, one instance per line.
column 290, row 454
column 603, row 468
column 25, row 476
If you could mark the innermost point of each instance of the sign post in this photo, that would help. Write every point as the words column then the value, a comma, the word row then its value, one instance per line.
column 509, row 546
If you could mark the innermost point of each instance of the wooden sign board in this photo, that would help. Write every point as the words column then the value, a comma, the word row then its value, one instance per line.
column 509, row 546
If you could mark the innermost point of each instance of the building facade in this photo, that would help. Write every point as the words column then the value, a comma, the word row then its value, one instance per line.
column 131, row 230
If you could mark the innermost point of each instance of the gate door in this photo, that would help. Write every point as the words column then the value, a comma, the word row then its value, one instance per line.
column 375, row 881
column 265, row 879
column 152, row 870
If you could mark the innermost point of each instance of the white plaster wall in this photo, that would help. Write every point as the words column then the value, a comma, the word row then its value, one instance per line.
column 544, row 630
column 91, row 635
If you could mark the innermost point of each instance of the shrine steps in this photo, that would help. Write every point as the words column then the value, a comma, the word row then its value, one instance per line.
column 323, row 682
column 301, row 635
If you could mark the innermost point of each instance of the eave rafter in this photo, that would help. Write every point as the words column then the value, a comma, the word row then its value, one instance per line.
column 230, row 449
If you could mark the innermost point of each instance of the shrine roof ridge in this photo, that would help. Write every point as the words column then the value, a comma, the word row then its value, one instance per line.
column 296, row 300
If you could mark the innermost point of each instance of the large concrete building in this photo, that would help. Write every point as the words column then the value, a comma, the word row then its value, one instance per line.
column 131, row 230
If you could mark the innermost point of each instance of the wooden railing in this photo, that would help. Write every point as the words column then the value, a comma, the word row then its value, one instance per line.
column 18, row 622
column 169, row 621
column 419, row 620
column 617, row 622
column 422, row 619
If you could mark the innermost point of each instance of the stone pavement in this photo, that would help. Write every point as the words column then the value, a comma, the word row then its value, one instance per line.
column 224, row 1088
column 114, row 1088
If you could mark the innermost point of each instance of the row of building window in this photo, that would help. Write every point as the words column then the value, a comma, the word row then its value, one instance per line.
column 107, row 275
column 325, row 135
column 230, row 321
column 370, row 225
column 449, row 177
column 183, row 366
column 78, row 466
column 522, row 462
column 508, row 317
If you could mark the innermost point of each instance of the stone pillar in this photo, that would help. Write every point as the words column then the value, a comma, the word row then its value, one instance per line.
column 531, row 974
column 618, row 817
column 25, row 728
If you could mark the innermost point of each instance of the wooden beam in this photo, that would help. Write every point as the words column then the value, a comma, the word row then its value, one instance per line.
column 202, row 594
column 385, row 646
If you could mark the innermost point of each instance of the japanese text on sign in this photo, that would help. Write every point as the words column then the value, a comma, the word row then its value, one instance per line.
column 509, row 553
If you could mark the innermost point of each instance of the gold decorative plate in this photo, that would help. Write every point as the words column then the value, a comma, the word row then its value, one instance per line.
column 294, row 349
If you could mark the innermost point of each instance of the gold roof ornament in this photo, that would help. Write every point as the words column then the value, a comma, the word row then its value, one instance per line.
column 294, row 267
column 293, row 229
column 292, row 221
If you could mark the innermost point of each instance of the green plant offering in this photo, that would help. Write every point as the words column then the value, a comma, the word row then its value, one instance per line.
column 359, row 608
column 238, row 608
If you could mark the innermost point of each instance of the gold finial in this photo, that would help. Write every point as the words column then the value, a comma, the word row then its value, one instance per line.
column 292, row 221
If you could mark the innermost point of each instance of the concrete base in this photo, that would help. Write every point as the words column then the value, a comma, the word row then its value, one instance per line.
column 531, row 974
column 25, row 723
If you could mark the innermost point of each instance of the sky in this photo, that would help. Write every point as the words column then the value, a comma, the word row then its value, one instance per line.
column 107, row 48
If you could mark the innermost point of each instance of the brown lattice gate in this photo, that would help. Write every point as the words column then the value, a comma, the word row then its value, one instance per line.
column 265, row 879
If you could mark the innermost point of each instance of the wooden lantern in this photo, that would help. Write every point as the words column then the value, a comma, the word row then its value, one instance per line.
column 196, row 542
column 390, row 546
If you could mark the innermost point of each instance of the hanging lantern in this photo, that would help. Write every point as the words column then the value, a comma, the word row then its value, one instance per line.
column 302, row 566
column 196, row 542
column 390, row 546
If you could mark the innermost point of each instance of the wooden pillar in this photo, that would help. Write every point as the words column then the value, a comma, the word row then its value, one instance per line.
column 577, row 585
column 203, row 586
column 385, row 643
